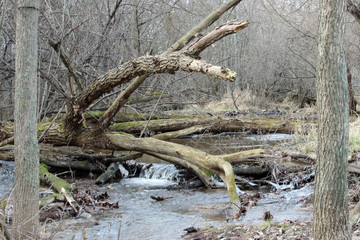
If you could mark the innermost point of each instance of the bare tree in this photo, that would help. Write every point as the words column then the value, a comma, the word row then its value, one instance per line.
column 26, row 185
column 331, row 216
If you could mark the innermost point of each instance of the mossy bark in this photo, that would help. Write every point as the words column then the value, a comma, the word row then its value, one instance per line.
column 55, row 182
column 60, row 185
column 216, row 125
column 185, row 155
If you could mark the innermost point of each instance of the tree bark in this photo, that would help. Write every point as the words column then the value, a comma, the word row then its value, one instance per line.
column 208, row 163
column 126, row 72
column 26, row 183
column 353, row 7
column 215, row 35
column 123, row 97
column 352, row 101
column 60, row 185
column 216, row 125
column 331, row 215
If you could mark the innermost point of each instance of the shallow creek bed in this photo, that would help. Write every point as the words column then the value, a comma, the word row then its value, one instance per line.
column 156, row 205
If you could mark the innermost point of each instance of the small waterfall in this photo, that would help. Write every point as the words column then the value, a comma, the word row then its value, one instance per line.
column 163, row 171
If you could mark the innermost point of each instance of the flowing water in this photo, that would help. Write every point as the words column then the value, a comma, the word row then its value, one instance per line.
column 6, row 178
column 140, row 217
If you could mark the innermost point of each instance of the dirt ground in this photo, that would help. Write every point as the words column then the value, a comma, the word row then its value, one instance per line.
column 266, row 231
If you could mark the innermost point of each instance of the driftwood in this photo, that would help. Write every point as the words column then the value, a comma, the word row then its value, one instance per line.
column 108, row 174
column 201, row 173
column 80, row 165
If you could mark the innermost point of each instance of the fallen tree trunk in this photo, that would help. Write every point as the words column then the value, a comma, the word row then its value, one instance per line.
column 111, row 173
column 212, row 163
column 216, row 125
column 108, row 174
column 73, row 160
column 201, row 173
column 60, row 185
column 181, row 133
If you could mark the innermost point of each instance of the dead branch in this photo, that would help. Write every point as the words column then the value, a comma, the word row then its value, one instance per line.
column 182, row 132
column 146, row 65
column 205, row 162
column 215, row 36
column 123, row 97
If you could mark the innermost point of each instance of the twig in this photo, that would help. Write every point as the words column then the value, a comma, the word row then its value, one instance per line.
column 47, row 129
column 7, row 141
column 153, row 110
column 118, row 238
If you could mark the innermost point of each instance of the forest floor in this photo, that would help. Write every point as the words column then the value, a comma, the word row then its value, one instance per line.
column 304, row 141
column 266, row 231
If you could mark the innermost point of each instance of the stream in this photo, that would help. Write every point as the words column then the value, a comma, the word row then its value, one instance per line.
column 140, row 217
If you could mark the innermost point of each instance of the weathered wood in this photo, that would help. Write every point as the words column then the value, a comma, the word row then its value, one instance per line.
column 60, row 185
column 79, row 165
column 181, row 133
column 201, row 173
column 142, row 66
column 108, row 174
column 212, row 17
column 129, row 156
column 216, row 125
column 209, row 162
column 56, row 197
column 85, row 98
column 216, row 35
column 85, row 161
column 251, row 171
column 9, row 140
column 240, row 157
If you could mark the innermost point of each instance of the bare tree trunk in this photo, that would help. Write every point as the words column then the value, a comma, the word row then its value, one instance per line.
column 352, row 101
column 26, row 185
column 331, row 215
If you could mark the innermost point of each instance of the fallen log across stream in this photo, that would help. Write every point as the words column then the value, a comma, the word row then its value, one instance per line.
column 203, row 161
column 55, row 157
column 213, row 124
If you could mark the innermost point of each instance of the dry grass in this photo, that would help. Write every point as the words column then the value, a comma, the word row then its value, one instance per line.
column 354, row 133
column 244, row 100
column 306, row 137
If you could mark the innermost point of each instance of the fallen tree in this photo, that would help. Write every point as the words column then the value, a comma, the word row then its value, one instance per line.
column 204, row 162
column 214, row 124
column 71, row 131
